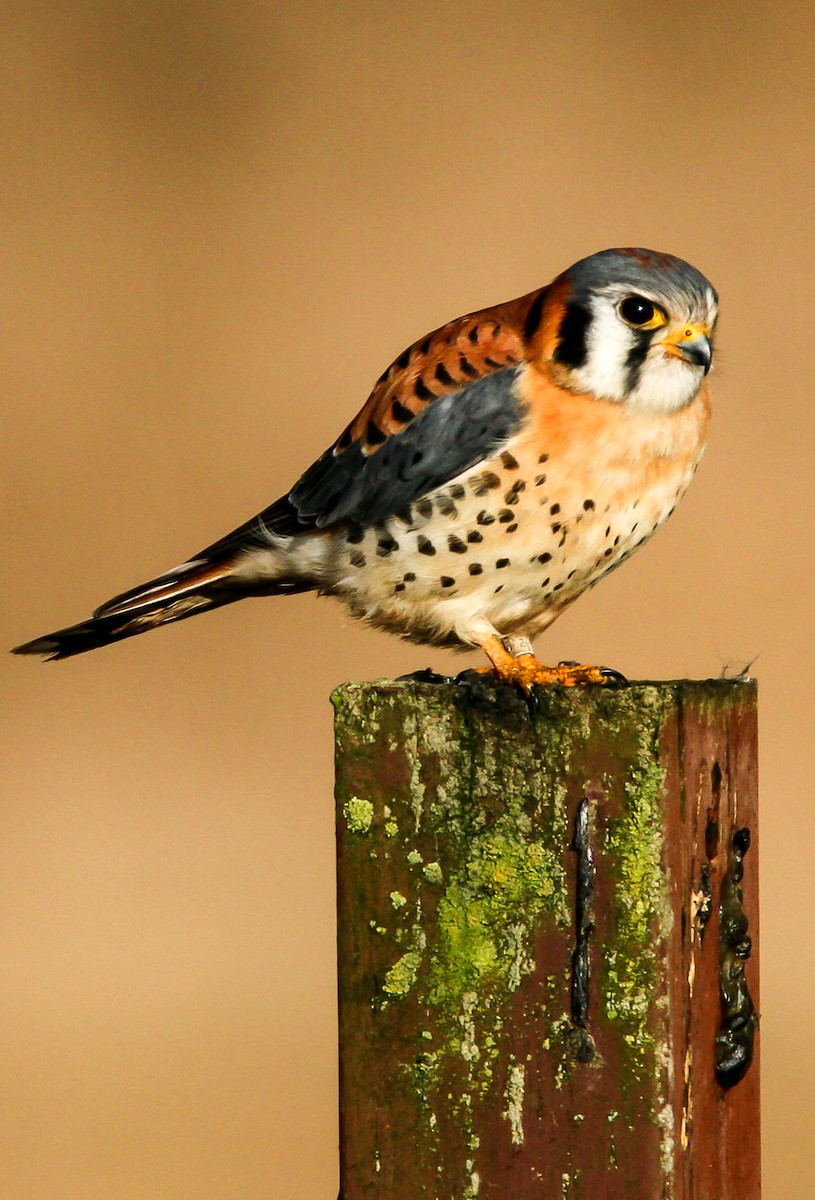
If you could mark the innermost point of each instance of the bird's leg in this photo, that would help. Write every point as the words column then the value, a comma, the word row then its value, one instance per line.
column 517, row 664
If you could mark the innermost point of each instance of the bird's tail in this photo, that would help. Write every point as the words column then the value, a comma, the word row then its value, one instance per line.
column 191, row 588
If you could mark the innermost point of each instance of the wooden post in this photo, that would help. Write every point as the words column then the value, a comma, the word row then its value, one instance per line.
column 545, row 981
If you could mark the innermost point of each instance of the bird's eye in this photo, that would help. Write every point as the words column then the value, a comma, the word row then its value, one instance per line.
column 641, row 313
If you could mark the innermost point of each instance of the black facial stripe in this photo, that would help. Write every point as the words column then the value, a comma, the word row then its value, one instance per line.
column 636, row 357
column 572, row 347
column 533, row 317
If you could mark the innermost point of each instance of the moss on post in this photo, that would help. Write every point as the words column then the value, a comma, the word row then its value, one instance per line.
column 465, row 1069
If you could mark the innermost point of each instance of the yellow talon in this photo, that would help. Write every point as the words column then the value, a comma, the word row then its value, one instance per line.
column 527, row 673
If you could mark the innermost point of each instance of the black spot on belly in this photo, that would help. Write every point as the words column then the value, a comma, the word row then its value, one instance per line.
column 505, row 516
column 424, row 545
column 422, row 390
column 509, row 461
column 456, row 545
column 556, row 528
column 544, row 558
column 588, row 505
column 467, row 367
column 424, row 508
column 356, row 534
column 481, row 484
column 511, row 497
column 545, row 582
column 386, row 545
column 475, row 568
column 511, row 528
column 400, row 587
column 447, row 581
column 485, row 518
column 457, row 491
column 542, row 458
column 540, row 480
column 446, row 506
column 501, row 563
column 409, row 577
column 357, row 559
column 443, row 375
column 554, row 510
column 475, row 536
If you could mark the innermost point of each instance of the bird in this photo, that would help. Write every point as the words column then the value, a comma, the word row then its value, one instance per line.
column 501, row 466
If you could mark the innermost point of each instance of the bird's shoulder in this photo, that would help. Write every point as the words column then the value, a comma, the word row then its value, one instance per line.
column 446, row 361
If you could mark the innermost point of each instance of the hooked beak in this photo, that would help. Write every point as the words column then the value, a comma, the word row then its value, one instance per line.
column 692, row 344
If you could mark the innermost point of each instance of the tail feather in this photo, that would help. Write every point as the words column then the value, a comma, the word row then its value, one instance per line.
column 189, row 577
column 193, row 587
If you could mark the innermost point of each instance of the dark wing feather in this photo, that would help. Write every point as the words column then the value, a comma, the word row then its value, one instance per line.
column 443, row 405
column 446, row 403
column 453, row 433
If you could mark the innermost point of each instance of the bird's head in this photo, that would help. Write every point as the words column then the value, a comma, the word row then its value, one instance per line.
column 632, row 326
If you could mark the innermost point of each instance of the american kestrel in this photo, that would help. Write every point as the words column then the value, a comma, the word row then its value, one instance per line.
column 501, row 466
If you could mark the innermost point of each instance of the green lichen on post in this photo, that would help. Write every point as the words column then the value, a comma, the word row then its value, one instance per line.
column 402, row 975
column 476, row 832
column 630, row 968
column 433, row 872
column 503, row 871
column 359, row 814
column 473, row 800
column 478, row 950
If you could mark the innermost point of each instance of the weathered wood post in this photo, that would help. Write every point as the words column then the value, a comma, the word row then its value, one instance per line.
column 543, row 941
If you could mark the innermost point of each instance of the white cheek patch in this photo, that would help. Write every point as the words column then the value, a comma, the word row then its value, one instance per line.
column 665, row 383
column 605, row 373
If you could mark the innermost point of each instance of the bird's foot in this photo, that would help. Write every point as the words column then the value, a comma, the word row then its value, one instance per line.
column 525, row 672
column 528, row 673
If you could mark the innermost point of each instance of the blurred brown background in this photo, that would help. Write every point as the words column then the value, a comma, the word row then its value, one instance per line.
column 218, row 223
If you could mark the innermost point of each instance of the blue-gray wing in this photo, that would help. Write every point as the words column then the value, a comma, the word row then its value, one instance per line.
column 452, row 434
column 447, row 403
